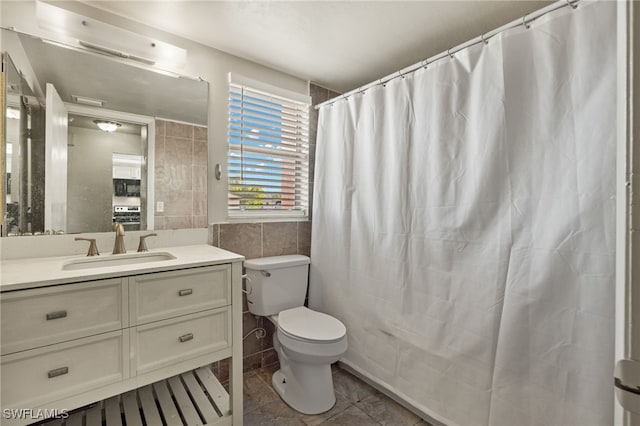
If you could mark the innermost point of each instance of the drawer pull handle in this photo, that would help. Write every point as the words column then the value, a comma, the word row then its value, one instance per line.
column 186, row 337
column 58, row 372
column 185, row 292
column 56, row 315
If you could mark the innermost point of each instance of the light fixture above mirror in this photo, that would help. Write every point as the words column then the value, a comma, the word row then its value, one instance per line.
column 107, row 126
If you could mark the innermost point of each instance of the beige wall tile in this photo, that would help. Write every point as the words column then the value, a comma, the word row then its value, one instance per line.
column 160, row 128
column 178, row 222
column 200, row 132
column 250, row 345
column 270, row 329
column 242, row 238
column 200, row 153
column 178, row 151
column 280, row 238
column 269, row 358
column 159, row 151
column 245, row 305
column 199, row 203
column 174, row 177
column 223, row 370
column 178, row 203
column 178, row 130
column 158, row 222
column 199, row 178
column 251, row 362
column 213, row 238
column 304, row 238
column 200, row 221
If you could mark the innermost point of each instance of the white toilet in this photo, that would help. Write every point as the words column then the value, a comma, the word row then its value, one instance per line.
column 307, row 342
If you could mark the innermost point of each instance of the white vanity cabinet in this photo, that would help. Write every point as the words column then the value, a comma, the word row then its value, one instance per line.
column 67, row 345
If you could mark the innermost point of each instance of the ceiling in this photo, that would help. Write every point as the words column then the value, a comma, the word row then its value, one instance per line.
column 337, row 44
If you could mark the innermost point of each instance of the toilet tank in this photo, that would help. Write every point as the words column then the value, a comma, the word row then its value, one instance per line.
column 276, row 283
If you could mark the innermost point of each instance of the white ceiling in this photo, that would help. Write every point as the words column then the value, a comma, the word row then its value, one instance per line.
column 337, row 44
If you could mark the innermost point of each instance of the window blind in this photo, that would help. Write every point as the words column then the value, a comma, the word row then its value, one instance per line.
column 268, row 160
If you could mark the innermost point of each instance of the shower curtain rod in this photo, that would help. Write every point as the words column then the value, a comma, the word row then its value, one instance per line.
column 483, row 38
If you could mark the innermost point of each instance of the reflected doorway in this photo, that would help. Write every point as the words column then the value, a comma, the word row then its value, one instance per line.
column 106, row 174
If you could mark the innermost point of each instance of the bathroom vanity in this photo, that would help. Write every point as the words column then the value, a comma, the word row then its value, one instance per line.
column 76, row 330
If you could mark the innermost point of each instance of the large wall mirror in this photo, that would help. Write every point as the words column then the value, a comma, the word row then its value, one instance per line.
column 90, row 139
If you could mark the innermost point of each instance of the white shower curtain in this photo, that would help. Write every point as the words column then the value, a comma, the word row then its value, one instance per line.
column 463, row 227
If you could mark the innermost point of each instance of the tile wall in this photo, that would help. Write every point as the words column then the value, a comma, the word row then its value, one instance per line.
column 268, row 239
column 181, row 175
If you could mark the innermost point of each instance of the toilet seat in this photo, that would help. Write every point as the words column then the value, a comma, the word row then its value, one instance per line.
column 302, row 323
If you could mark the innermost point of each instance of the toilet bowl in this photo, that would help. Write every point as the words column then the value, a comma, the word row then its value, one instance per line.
column 307, row 342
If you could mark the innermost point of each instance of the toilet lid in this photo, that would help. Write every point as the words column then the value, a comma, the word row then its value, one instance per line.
column 306, row 324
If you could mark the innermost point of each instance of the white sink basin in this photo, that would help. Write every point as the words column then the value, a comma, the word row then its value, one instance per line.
column 116, row 260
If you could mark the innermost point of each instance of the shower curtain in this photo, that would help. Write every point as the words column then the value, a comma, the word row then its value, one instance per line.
column 463, row 227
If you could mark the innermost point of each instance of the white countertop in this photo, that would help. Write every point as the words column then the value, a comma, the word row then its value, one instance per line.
column 39, row 272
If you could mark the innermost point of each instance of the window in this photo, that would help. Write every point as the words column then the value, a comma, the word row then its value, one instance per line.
column 268, row 160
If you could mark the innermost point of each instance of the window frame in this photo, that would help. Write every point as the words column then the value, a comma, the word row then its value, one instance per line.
column 301, row 176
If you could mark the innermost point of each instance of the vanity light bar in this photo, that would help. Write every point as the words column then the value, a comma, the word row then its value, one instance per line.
column 87, row 101
column 116, row 53
column 76, row 29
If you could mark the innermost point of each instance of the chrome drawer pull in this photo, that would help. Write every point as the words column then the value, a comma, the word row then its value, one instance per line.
column 186, row 337
column 56, row 315
column 58, row 372
column 185, row 292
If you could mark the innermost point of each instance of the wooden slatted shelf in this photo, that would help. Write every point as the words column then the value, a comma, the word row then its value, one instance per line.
column 189, row 399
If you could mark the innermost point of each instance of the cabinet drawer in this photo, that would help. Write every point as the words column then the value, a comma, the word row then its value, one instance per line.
column 47, row 374
column 44, row 316
column 166, row 342
column 168, row 294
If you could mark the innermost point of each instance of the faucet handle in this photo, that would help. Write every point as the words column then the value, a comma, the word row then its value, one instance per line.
column 143, row 244
column 93, row 248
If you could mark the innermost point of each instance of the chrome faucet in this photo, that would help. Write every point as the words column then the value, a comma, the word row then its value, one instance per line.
column 118, row 247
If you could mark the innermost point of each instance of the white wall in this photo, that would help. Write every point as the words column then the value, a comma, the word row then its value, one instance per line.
column 210, row 64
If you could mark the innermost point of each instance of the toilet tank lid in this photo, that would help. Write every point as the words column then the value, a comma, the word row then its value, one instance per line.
column 276, row 262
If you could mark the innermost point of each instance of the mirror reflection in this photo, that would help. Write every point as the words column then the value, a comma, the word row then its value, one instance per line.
column 85, row 141
column 105, row 169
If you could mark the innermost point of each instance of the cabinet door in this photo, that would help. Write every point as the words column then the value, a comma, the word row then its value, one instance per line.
column 54, row 372
column 44, row 316
column 168, row 294
column 174, row 340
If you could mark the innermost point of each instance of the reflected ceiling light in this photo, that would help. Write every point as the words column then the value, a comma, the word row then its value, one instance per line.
column 107, row 126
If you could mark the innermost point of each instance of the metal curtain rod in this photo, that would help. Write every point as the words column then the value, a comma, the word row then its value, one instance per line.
column 483, row 38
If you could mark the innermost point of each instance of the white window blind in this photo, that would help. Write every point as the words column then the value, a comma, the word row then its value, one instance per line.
column 268, row 159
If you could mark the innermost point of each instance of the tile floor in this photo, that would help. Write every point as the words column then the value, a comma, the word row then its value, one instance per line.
column 357, row 404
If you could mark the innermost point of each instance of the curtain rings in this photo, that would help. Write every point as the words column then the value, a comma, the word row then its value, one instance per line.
column 525, row 23
column 425, row 64
column 449, row 53
column 573, row 5
column 400, row 74
column 484, row 40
